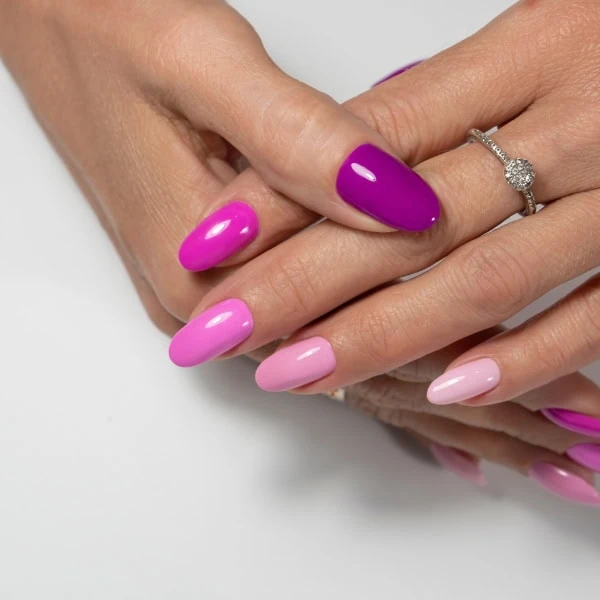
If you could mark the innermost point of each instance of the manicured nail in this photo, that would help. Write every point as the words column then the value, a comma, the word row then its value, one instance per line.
column 398, row 72
column 467, row 381
column 564, row 484
column 219, row 236
column 573, row 421
column 297, row 365
column 379, row 185
column 214, row 332
column 587, row 455
column 459, row 463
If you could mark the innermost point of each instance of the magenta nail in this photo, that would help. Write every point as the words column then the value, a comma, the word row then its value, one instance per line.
column 212, row 333
column 460, row 463
column 587, row 455
column 296, row 365
column 221, row 235
column 398, row 72
column 573, row 421
column 564, row 484
column 379, row 185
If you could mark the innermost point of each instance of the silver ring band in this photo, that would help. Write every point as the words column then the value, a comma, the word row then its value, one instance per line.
column 338, row 395
column 518, row 172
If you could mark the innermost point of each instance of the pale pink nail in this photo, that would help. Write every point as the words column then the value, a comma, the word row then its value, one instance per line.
column 459, row 463
column 297, row 365
column 587, row 455
column 564, row 484
column 219, row 236
column 214, row 332
column 465, row 382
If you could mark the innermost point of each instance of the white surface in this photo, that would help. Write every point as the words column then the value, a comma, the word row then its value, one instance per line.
column 123, row 477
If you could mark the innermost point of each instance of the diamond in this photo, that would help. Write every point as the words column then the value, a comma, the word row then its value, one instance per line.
column 519, row 173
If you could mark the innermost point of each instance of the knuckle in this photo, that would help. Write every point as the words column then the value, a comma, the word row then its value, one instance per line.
column 489, row 280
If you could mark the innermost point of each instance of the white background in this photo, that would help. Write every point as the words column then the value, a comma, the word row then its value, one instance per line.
column 123, row 477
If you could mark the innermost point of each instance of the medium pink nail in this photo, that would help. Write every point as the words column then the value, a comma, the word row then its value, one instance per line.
column 564, row 484
column 587, row 455
column 297, row 365
column 459, row 463
column 467, row 381
column 573, row 421
column 214, row 332
column 219, row 236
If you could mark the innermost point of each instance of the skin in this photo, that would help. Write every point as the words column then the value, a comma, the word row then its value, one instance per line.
column 155, row 137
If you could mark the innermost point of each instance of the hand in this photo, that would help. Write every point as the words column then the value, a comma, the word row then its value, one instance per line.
column 547, row 94
column 153, row 106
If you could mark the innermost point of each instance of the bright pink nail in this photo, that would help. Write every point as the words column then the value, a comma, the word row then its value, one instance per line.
column 465, row 382
column 397, row 72
column 587, row 455
column 297, row 365
column 459, row 463
column 573, row 421
column 219, row 236
column 564, row 484
column 214, row 332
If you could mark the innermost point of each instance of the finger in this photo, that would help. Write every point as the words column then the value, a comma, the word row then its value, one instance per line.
column 557, row 474
column 483, row 283
column 560, row 341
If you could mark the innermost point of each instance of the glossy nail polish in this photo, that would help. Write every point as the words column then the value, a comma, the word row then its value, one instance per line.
column 379, row 185
column 573, row 421
column 398, row 72
column 564, row 484
column 587, row 455
column 212, row 333
column 459, row 463
column 219, row 236
column 465, row 382
column 297, row 365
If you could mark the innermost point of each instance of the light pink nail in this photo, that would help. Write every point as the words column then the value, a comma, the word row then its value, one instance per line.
column 297, row 365
column 214, row 332
column 219, row 236
column 564, row 484
column 459, row 463
column 465, row 382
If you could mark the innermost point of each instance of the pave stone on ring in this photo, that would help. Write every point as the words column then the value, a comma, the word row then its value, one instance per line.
column 518, row 172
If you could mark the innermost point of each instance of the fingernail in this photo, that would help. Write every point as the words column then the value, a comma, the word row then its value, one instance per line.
column 467, row 381
column 379, row 185
column 459, row 463
column 297, row 365
column 573, row 421
column 587, row 455
column 212, row 333
column 219, row 236
column 398, row 72
column 564, row 484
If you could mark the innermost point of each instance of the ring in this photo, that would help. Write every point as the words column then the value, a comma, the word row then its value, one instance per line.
column 339, row 395
column 518, row 172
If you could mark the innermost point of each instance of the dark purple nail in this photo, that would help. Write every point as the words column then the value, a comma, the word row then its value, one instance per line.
column 381, row 186
column 573, row 421
column 398, row 72
column 587, row 455
column 219, row 236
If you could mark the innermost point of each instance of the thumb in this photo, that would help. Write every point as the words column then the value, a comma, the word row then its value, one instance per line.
column 302, row 142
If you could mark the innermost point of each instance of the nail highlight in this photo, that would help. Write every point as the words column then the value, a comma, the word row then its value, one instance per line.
column 465, row 382
column 221, row 235
column 587, row 455
column 398, row 72
column 379, row 185
column 297, row 365
column 573, row 421
column 459, row 463
column 214, row 332
column 564, row 484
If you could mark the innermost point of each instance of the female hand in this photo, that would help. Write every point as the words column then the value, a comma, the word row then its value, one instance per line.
column 152, row 105
column 545, row 91
column 511, row 434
